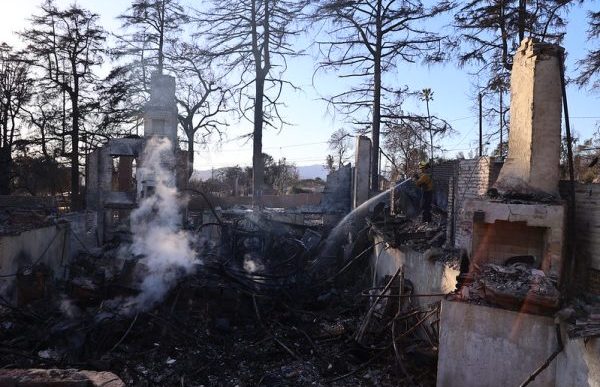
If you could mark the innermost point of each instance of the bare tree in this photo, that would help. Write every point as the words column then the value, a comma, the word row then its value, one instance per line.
column 152, row 27
column 65, row 46
column 251, row 39
column 590, row 65
column 368, row 39
column 488, row 33
column 202, row 97
column 15, row 84
column 405, row 147
column 43, row 115
column 122, row 99
column 330, row 163
column 408, row 135
column 340, row 142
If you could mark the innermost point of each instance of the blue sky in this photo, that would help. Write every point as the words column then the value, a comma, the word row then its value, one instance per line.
column 305, row 141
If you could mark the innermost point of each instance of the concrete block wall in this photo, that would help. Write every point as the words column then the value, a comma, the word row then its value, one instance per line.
column 472, row 181
column 587, row 230
column 337, row 195
column 443, row 174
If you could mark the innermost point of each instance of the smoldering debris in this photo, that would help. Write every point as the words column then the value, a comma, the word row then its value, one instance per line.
column 166, row 249
column 251, row 314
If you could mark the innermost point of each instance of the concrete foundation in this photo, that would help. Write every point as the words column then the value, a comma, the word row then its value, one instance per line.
column 482, row 346
column 489, row 347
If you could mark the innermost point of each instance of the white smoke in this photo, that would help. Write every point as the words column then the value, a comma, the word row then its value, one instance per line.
column 68, row 308
column 166, row 249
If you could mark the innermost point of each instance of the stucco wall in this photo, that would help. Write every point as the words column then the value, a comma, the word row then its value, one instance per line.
column 579, row 364
column 427, row 276
column 48, row 245
column 533, row 158
column 489, row 347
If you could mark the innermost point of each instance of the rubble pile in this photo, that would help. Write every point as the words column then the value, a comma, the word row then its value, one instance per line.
column 399, row 231
column 516, row 287
column 582, row 317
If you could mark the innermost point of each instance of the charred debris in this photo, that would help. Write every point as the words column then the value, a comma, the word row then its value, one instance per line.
column 259, row 307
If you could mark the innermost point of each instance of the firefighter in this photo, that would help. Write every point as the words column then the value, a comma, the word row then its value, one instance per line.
column 425, row 183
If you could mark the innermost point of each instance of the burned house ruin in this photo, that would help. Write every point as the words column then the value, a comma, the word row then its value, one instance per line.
column 156, row 285
column 115, row 183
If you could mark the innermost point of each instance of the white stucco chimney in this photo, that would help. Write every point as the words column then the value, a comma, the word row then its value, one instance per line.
column 160, row 112
column 533, row 163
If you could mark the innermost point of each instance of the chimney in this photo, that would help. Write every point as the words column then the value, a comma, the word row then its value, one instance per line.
column 160, row 112
column 533, row 163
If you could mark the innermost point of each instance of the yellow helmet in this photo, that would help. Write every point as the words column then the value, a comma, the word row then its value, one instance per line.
column 423, row 165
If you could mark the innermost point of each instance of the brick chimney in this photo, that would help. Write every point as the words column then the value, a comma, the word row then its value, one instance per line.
column 533, row 163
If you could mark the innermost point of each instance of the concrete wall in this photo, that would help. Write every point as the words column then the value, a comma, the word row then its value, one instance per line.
column 273, row 201
column 48, row 245
column 427, row 276
column 483, row 346
column 83, row 232
column 490, row 347
column 587, row 230
column 579, row 364
column 337, row 195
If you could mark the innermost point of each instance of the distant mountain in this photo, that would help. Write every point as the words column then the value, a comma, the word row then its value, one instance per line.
column 305, row 171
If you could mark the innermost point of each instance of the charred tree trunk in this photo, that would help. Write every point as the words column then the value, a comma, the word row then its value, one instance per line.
column 190, row 143
column 75, row 199
column 161, row 38
column 376, row 101
column 258, row 165
column 5, row 170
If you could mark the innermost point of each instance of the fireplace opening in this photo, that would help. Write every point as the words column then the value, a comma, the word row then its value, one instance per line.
column 504, row 242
